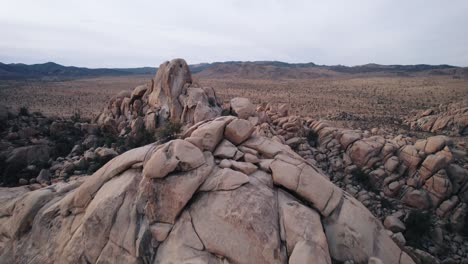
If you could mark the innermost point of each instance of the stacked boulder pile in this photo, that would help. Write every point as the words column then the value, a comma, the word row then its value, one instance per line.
column 427, row 174
column 451, row 119
column 424, row 174
column 256, row 185
column 219, row 194
column 390, row 175
column 35, row 149
column 170, row 97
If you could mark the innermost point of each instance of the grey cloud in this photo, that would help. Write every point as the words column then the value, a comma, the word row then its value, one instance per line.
column 139, row 33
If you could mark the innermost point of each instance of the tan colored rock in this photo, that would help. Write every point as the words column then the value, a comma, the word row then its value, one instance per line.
column 306, row 252
column 267, row 147
column 410, row 157
column 170, row 81
column 373, row 260
column 431, row 165
column 167, row 197
column 160, row 231
column 224, row 180
column 394, row 224
column 238, row 131
column 251, row 158
column 183, row 245
column 225, row 164
column 436, row 143
column 363, row 150
column 416, row 198
column 212, row 132
column 241, row 225
column 438, row 187
column 177, row 155
column 242, row 107
column 307, row 182
column 139, row 91
column 264, row 164
column 391, row 164
column 367, row 239
column 225, row 150
column 447, row 206
column 103, row 152
column 458, row 176
column 245, row 167
column 349, row 138
column 195, row 212
column 77, row 201
column 303, row 232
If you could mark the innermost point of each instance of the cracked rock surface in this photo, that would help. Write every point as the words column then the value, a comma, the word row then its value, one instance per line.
column 179, row 203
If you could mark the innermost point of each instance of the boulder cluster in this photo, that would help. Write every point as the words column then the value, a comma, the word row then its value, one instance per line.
column 37, row 150
column 170, row 97
column 218, row 195
column 451, row 119
column 391, row 175
column 243, row 184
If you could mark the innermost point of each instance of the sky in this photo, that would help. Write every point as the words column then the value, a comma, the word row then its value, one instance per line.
column 118, row 33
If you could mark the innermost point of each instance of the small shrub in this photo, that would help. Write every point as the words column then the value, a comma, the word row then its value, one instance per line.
column 362, row 178
column 211, row 101
column 76, row 117
column 24, row 111
column 386, row 204
column 168, row 131
column 312, row 137
column 93, row 167
column 146, row 138
column 418, row 225
column 225, row 112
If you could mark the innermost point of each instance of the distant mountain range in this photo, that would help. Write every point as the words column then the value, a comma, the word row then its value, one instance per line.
column 51, row 70
column 230, row 69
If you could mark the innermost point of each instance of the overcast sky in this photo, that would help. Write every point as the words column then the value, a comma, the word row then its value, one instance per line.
column 113, row 33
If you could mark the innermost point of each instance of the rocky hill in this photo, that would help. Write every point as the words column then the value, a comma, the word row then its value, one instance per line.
column 281, row 70
column 451, row 119
column 205, row 183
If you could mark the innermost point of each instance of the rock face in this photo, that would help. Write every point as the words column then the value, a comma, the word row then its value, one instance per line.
column 422, row 173
column 450, row 119
column 387, row 173
column 170, row 97
column 173, row 203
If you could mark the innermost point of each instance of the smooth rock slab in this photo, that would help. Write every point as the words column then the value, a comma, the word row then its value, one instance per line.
column 177, row 155
column 303, row 231
column 241, row 225
column 354, row 234
column 238, row 131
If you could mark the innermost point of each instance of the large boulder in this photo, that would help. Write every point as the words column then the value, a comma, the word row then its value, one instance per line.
column 177, row 203
column 171, row 97
column 21, row 157
column 449, row 118
column 242, row 107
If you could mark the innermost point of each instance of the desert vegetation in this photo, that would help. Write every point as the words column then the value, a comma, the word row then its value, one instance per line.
column 353, row 101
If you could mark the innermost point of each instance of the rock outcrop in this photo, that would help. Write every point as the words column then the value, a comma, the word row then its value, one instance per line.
column 390, row 175
column 256, row 186
column 449, row 119
column 31, row 142
column 170, row 97
column 182, row 202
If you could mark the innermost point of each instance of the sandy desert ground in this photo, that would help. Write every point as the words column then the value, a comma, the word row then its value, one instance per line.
column 358, row 102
